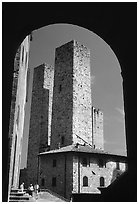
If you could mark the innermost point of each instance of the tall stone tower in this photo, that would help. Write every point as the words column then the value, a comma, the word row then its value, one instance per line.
column 40, row 117
column 97, row 121
column 72, row 107
column 17, row 113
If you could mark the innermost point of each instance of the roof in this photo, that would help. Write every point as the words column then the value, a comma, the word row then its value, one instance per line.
column 80, row 148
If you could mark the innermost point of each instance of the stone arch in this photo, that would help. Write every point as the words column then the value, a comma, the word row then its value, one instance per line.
column 101, row 19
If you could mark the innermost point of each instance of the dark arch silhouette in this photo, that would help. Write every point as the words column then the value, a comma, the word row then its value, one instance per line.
column 115, row 23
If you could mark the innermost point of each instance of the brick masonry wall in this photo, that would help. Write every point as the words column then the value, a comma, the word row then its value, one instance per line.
column 62, row 172
column 39, row 118
column 97, row 121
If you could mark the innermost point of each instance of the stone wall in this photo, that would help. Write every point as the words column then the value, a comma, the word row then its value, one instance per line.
column 75, row 174
column 82, row 105
column 69, row 172
column 97, row 129
column 62, row 172
column 48, row 84
column 94, row 171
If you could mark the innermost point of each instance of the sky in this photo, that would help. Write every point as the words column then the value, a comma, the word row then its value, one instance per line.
column 106, row 80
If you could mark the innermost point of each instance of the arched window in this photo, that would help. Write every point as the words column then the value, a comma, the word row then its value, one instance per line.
column 84, row 162
column 85, row 181
column 102, row 182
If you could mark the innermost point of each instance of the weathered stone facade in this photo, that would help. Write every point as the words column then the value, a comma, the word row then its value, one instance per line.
column 40, row 117
column 97, row 134
column 62, row 171
column 69, row 170
column 18, row 111
column 71, row 114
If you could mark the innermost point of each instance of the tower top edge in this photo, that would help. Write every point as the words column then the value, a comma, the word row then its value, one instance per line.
column 75, row 43
column 43, row 65
column 97, row 109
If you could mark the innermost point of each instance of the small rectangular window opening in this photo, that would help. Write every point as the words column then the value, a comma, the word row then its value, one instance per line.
column 62, row 140
column 54, row 162
column 54, row 181
column 60, row 88
column 42, row 182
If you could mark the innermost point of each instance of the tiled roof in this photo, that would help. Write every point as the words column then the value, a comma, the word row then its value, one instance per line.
column 79, row 148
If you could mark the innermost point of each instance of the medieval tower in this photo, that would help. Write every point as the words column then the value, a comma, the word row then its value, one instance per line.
column 17, row 115
column 40, row 120
column 71, row 113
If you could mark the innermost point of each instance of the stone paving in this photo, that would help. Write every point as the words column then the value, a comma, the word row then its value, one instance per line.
column 45, row 197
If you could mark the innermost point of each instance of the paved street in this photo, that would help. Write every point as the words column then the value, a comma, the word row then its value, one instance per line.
column 45, row 197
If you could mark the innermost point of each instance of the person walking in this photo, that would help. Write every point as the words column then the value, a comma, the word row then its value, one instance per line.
column 31, row 189
column 22, row 187
column 36, row 189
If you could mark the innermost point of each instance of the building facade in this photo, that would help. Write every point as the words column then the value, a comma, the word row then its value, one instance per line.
column 78, row 169
column 18, row 102
column 40, row 117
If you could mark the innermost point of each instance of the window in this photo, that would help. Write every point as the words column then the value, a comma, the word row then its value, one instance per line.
column 54, row 162
column 42, row 182
column 84, row 162
column 85, row 181
column 54, row 181
column 22, row 54
column 101, row 163
column 62, row 140
column 102, row 182
column 60, row 88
